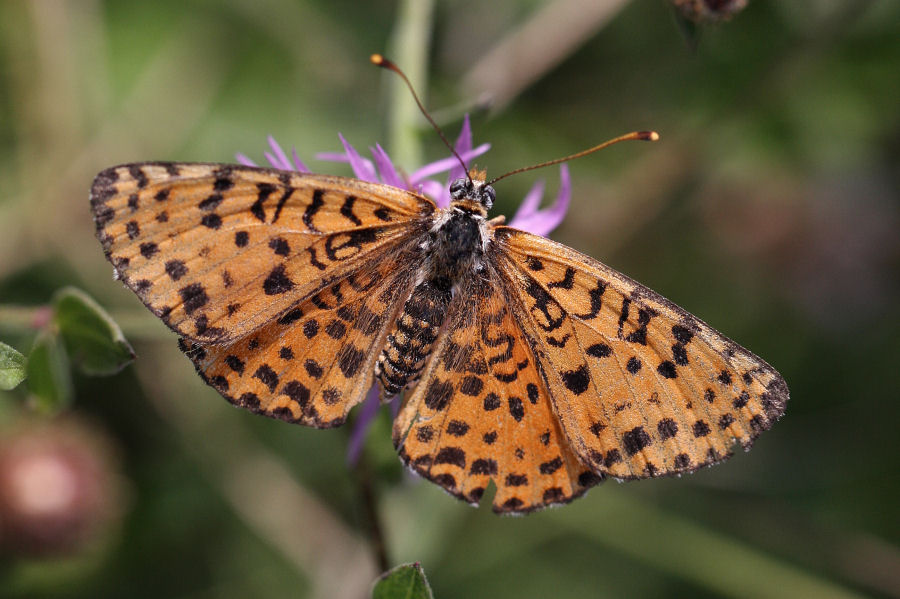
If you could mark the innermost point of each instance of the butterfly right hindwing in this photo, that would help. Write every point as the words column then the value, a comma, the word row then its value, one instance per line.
column 482, row 413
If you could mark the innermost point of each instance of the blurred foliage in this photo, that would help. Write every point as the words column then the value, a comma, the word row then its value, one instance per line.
column 769, row 209
column 74, row 329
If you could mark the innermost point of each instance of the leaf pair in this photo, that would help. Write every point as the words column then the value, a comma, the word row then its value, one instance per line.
column 80, row 332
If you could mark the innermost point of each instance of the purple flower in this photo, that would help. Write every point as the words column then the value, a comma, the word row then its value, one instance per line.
column 380, row 169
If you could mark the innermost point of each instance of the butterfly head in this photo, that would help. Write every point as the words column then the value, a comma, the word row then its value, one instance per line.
column 472, row 195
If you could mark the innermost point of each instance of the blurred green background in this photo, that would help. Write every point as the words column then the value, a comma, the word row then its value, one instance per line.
column 769, row 209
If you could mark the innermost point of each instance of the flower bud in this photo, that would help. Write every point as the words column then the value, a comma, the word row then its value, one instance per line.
column 58, row 492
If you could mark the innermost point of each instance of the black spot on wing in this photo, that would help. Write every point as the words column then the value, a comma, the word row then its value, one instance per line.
column 633, row 365
column 132, row 228
column 211, row 202
column 551, row 466
column 451, row 455
column 516, row 408
column 137, row 173
column 484, row 466
column 599, row 350
column 148, row 249
column 350, row 359
column 193, row 297
column 577, row 381
column 438, row 394
column 635, row 440
column 211, row 221
column 277, row 282
column 175, row 269
column 667, row 428
column 491, row 402
column 267, row 376
column 280, row 246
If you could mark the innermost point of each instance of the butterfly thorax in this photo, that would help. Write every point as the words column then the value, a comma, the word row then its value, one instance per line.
column 453, row 250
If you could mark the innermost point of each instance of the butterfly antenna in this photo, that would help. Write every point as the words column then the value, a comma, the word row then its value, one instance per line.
column 634, row 135
column 381, row 61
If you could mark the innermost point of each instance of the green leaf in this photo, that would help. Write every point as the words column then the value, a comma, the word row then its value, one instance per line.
column 12, row 367
column 94, row 341
column 403, row 582
column 49, row 380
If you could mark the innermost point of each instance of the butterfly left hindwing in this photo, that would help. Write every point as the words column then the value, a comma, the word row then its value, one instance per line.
column 315, row 362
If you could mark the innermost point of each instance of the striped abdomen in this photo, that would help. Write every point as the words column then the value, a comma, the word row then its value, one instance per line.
column 414, row 334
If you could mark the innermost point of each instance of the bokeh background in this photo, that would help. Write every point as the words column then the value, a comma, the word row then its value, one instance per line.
column 769, row 209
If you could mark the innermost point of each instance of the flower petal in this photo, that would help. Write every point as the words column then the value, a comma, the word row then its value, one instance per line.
column 436, row 191
column 531, row 202
column 463, row 145
column 279, row 159
column 386, row 168
column 332, row 157
column 445, row 164
column 542, row 222
column 362, row 168
column 367, row 412
column 244, row 159
column 301, row 167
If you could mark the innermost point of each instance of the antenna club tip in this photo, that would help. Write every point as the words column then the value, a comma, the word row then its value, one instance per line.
column 648, row 135
column 380, row 61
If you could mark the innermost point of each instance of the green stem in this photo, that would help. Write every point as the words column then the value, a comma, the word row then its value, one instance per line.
column 409, row 50
column 370, row 506
column 24, row 320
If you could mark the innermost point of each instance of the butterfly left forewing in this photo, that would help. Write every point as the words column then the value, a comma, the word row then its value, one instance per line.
column 218, row 251
column 641, row 387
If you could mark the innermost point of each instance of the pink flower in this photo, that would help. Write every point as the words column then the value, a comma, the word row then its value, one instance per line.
column 380, row 169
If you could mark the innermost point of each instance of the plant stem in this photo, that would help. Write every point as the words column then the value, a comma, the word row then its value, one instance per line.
column 23, row 320
column 370, row 507
column 409, row 49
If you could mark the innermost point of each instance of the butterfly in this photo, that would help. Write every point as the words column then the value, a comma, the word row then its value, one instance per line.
column 521, row 361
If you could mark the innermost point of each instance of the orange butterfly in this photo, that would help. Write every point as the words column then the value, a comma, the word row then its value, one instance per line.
column 522, row 361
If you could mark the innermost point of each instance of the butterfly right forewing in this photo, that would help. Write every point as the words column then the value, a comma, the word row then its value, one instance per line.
column 641, row 387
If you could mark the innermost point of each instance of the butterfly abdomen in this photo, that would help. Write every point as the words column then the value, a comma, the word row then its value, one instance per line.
column 413, row 336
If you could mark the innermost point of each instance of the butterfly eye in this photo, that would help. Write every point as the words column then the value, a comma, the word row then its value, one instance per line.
column 488, row 196
column 459, row 188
